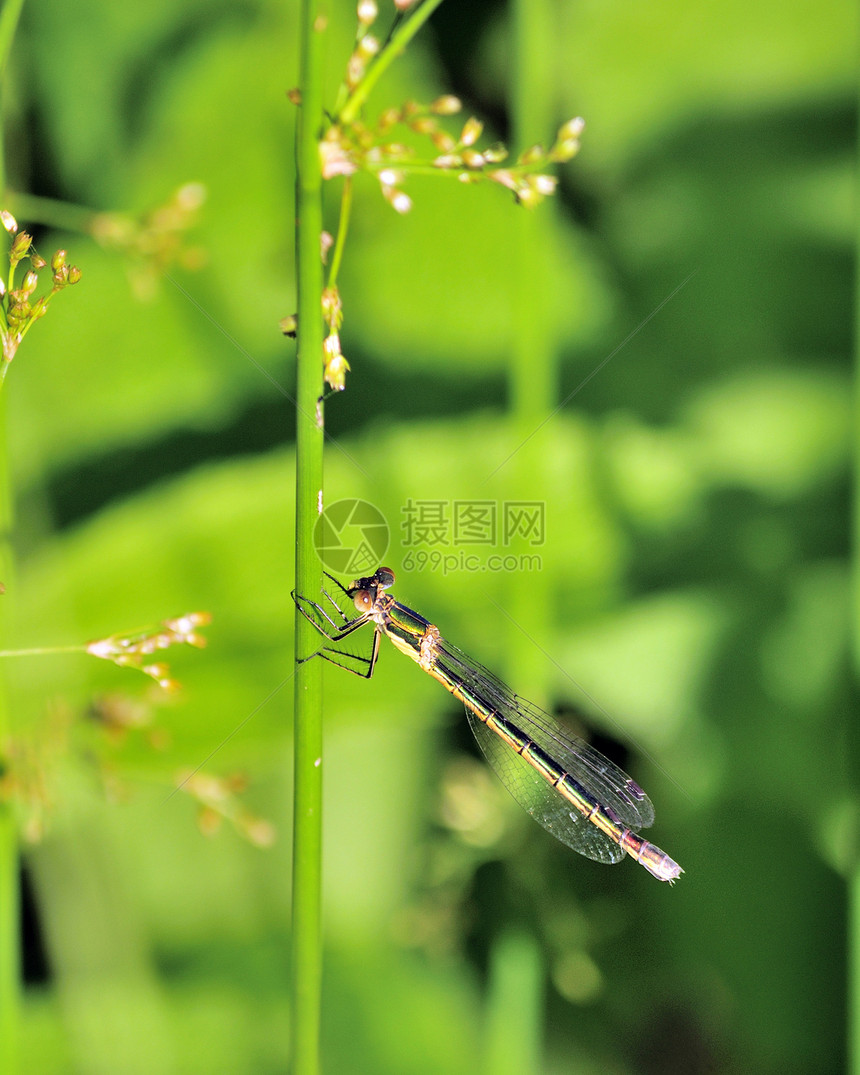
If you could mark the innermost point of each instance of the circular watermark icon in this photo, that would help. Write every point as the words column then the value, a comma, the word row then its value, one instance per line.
column 351, row 537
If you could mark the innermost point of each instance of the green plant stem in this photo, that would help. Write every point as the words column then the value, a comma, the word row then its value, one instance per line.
column 10, row 958
column 306, row 968
column 342, row 231
column 515, row 1044
column 398, row 42
column 513, row 1023
column 854, row 969
column 533, row 373
column 41, row 651
column 853, row 732
column 53, row 213
column 10, row 13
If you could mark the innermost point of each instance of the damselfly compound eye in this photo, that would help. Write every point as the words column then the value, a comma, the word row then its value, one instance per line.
column 363, row 601
column 385, row 578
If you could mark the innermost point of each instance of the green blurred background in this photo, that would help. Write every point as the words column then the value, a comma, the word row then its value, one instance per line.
column 692, row 580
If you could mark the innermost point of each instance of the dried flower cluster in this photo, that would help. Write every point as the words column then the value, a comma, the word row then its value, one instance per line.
column 335, row 365
column 19, row 309
column 155, row 240
column 351, row 145
column 134, row 649
column 217, row 798
column 393, row 148
column 346, row 150
column 34, row 769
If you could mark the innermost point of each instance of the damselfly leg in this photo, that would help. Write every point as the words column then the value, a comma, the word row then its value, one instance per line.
column 336, row 630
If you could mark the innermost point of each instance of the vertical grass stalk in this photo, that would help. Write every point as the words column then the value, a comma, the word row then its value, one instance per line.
column 10, row 944
column 514, row 1019
column 532, row 390
column 853, row 733
column 306, row 965
column 533, row 374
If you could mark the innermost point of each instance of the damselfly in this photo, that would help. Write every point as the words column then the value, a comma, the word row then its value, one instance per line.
column 567, row 786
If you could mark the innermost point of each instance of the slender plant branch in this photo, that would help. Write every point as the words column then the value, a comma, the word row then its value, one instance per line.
column 53, row 213
column 306, row 969
column 387, row 55
column 342, row 230
column 42, row 651
column 9, row 16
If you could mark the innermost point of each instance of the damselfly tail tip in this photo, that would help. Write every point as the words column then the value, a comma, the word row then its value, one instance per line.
column 655, row 861
column 669, row 871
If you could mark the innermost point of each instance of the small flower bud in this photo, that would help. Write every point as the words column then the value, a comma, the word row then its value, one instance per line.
column 58, row 260
column 471, row 131
column 19, row 311
column 397, row 199
column 473, row 159
column 527, row 196
column 191, row 196
column 367, row 12
column 36, row 261
column 75, row 274
column 423, row 125
column 28, row 284
column 334, row 158
column 260, row 833
column 532, row 155
column 289, row 326
column 8, row 221
column 294, row 96
column 495, row 153
column 20, row 245
column 572, row 129
column 354, row 70
column 448, row 105
column 443, row 141
column 335, row 373
column 564, row 151
column 336, row 366
column 403, row 5
column 388, row 118
column 367, row 47
column 103, row 647
column 332, row 309
column 208, row 821
column 450, row 160
column 544, row 184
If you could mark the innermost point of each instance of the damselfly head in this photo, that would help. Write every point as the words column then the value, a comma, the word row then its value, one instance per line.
column 381, row 579
column 365, row 591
